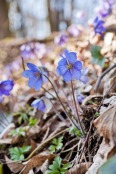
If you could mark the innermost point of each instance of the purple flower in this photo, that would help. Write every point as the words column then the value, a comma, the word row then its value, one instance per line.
column 61, row 39
column 35, row 75
column 27, row 50
column 31, row 49
column 104, row 9
column 80, row 98
column 39, row 104
column 5, row 87
column 68, row 67
column 84, row 77
column 73, row 30
column 98, row 26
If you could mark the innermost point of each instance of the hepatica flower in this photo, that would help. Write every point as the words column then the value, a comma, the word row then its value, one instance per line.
column 73, row 30
column 69, row 67
column 27, row 50
column 61, row 39
column 98, row 26
column 39, row 104
column 80, row 98
column 5, row 87
column 35, row 75
column 104, row 9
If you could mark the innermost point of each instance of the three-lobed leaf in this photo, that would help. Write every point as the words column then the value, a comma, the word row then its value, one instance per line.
column 97, row 57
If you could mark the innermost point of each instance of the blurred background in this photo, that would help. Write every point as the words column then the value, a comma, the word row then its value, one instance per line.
column 38, row 18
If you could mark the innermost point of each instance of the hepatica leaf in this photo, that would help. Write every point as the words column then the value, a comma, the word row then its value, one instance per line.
column 97, row 57
column 108, row 167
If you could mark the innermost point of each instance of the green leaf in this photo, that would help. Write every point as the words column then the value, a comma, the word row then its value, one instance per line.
column 17, row 153
column 56, row 144
column 52, row 148
column 108, row 167
column 32, row 121
column 57, row 167
column 74, row 131
column 19, row 131
column 97, row 57
column 25, row 149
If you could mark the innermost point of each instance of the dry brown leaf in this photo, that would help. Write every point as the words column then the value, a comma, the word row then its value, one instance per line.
column 36, row 161
column 79, row 168
column 14, row 166
column 106, row 124
column 99, row 158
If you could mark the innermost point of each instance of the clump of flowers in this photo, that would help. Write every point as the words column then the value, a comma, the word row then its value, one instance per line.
column 98, row 26
column 104, row 9
column 70, row 69
column 61, row 39
column 5, row 87
column 32, row 49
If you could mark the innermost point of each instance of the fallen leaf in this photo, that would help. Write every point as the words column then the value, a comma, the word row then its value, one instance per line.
column 14, row 166
column 36, row 161
column 79, row 168
column 106, row 124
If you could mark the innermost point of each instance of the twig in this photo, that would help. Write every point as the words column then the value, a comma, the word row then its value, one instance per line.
column 45, row 142
column 102, row 75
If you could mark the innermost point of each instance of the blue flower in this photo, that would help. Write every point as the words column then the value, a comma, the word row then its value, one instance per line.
column 35, row 75
column 39, row 104
column 80, row 98
column 61, row 39
column 98, row 26
column 104, row 9
column 5, row 87
column 84, row 77
column 27, row 50
column 68, row 67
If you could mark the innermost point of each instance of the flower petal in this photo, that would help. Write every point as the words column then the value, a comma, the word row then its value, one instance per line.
column 32, row 82
column 28, row 73
column 84, row 79
column 62, row 69
column 38, row 84
column 62, row 62
column 71, row 57
column 32, row 67
column 67, row 76
column 78, row 65
column 76, row 73
column 41, row 106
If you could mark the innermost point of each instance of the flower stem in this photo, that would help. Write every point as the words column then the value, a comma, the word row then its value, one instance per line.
column 71, row 120
column 48, row 92
column 72, row 87
column 23, row 63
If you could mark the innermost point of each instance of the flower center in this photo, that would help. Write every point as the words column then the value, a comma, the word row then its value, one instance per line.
column 37, row 74
column 69, row 66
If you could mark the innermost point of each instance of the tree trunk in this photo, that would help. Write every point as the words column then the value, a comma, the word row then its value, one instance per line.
column 4, row 22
